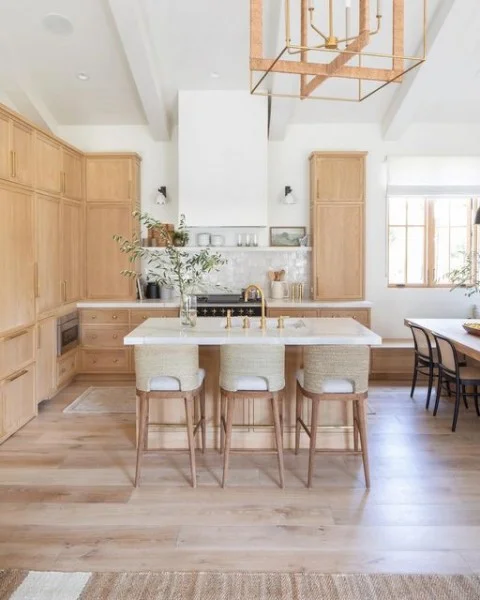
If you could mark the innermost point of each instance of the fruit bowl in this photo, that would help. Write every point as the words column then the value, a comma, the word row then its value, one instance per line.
column 473, row 328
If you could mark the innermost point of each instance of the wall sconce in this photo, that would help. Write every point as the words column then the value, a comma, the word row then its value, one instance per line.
column 161, row 197
column 289, row 198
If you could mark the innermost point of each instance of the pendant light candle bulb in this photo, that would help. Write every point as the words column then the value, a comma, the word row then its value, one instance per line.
column 379, row 8
column 348, row 3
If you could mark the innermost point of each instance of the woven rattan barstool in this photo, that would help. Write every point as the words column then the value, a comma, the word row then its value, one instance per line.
column 170, row 372
column 251, row 372
column 334, row 373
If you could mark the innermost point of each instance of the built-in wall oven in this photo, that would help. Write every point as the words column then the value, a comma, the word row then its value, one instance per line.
column 68, row 332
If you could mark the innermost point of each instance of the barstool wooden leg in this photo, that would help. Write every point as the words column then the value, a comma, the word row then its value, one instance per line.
column 313, row 441
column 355, row 426
column 142, row 433
column 223, row 422
column 191, row 439
column 230, row 409
column 298, row 416
column 203, row 418
column 362, row 426
column 275, row 399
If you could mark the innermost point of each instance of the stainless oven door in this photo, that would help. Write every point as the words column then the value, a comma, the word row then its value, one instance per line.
column 68, row 331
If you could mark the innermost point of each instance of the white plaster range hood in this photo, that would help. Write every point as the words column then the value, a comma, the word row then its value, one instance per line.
column 222, row 158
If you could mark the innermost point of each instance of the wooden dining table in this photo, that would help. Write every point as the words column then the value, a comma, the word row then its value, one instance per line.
column 452, row 329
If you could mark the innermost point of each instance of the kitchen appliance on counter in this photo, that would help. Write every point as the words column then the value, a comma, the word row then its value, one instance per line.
column 216, row 305
column 68, row 332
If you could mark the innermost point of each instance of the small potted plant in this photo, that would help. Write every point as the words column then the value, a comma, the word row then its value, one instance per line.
column 466, row 277
column 180, row 237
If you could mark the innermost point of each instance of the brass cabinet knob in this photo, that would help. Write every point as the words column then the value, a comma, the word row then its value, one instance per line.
column 115, row 336
column 114, row 317
column 94, row 316
column 115, row 360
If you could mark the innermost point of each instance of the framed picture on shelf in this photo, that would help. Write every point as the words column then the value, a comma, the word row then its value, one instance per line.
column 286, row 236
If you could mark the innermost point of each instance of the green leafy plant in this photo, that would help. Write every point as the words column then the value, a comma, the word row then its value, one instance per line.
column 171, row 266
column 466, row 276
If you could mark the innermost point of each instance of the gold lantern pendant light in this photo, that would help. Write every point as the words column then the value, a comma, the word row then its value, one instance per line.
column 332, row 40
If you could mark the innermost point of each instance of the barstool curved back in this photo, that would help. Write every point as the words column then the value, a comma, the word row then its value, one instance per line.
column 323, row 365
column 238, row 363
column 178, row 362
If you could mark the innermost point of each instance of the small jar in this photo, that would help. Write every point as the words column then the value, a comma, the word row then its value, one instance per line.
column 239, row 240
column 248, row 239
column 254, row 240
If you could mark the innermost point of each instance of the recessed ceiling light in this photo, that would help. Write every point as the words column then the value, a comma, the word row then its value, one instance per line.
column 214, row 75
column 57, row 24
column 83, row 76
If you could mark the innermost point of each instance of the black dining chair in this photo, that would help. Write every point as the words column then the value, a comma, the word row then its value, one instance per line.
column 426, row 360
column 450, row 369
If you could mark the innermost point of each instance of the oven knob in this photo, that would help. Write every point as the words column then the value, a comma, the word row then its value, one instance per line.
column 250, row 311
column 241, row 311
column 214, row 311
column 205, row 311
column 223, row 311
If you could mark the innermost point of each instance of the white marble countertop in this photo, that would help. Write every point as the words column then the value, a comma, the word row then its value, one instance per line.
column 210, row 331
column 175, row 304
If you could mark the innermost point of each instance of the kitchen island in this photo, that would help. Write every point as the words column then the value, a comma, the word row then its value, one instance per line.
column 209, row 334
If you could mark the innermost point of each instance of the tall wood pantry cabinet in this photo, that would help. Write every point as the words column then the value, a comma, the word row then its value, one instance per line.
column 113, row 193
column 337, row 217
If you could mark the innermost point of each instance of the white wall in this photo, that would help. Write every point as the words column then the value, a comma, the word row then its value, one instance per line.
column 288, row 165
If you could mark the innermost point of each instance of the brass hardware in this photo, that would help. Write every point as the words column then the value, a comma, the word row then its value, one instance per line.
column 35, row 280
column 94, row 361
column 12, row 163
column 16, row 335
column 64, row 290
column 115, row 360
column 93, row 336
column 39, row 344
column 281, row 322
column 229, row 320
column 114, row 316
column 17, row 376
column 115, row 336
column 144, row 317
column 130, row 186
column 94, row 316
column 64, row 182
column 63, row 370
column 253, row 286
column 246, row 323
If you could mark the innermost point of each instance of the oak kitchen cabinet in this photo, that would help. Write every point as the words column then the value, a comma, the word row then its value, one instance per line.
column 73, row 240
column 337, row 211
column 46, row 358
column 16, row 150
column 17, row 300
column 72, row 174
column 48, row 255
column 48, row 164
column 112, row 195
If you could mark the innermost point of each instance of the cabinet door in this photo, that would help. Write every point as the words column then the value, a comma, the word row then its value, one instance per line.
column 338, row 252
column 49, row 275
column 339, row 178
column 110, row 178
column 72, row 174
column 47, row 164
column 17, row 300
column 46, row 358
column 104, row 259
column 5, row 157
column 19, row 405
column 72, row 250
column 22, row 147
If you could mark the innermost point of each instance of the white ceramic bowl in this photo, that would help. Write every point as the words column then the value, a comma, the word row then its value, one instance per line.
column 218, row 240
column 203, row 239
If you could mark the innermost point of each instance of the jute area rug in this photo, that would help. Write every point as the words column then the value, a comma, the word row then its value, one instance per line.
column 25, row 585
column 108, row 399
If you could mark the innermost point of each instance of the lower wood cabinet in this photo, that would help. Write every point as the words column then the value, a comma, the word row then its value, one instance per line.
column 66, row 368
column 362, row 315
column 17, row 400
column 105, row 361
column 46, row 359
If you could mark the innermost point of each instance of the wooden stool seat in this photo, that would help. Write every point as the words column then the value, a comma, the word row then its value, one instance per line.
column 334, row 373
column 165, row 372
column 251, row 372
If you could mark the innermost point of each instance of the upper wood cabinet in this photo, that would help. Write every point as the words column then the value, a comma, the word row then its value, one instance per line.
column 49, row 266
column 338, row 177
column 48, row 164
column 17, row 300
column 337, row 209
column 112, row 177
column 73, row 255
column 16, row 150
column 72, row 174
column 104, row 259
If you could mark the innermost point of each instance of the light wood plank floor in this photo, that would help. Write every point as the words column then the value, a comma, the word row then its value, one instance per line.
column 67, row 501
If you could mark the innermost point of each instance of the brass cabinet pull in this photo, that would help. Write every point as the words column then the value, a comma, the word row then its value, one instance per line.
column 115, row 336
column 17, row 376
column 64, row 182
column 94, row 361
column 12, row 164
column 115, row 360
column 39, row 343
column 130, row 189
column 93, row 336
column 94, row 316
column 114, row 316
column 64, row 290
column 16, row 335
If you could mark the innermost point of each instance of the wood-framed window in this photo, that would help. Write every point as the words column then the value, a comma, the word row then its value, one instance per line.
column 428, row 236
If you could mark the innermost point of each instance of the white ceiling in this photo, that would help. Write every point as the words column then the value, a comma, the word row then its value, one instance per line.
column 139, row 53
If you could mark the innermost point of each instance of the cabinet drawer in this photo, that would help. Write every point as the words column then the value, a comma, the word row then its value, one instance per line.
column 104, row 316
column 362, row 316
column 18, row 400
column 292, row 312
column 104, row 337
column 105, row 360
column 16, row 350
column 66, row 367
column 139, row 316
